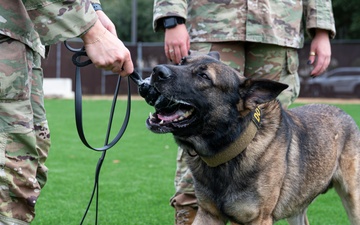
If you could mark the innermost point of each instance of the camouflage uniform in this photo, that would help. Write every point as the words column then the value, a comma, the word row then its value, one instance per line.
column 25, row 28
column 258, row 38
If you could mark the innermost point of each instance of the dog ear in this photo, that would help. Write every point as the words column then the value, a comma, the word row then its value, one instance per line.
column 214, row 54
column 258, row 91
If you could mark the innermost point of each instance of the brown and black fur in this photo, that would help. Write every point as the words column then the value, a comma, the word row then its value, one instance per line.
column 295, row 155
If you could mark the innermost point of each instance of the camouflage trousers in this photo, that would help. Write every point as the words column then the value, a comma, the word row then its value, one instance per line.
column 255, row 60
column 24, row 133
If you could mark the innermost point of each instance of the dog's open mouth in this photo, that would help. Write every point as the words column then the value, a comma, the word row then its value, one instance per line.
column 171, row 115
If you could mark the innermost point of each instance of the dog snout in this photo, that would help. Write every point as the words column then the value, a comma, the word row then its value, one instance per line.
column 148, row 92
column 160, row 72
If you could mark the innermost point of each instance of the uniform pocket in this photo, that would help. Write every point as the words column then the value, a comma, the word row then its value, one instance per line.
column 292, row 61
column 14, row 73
column 291, row 78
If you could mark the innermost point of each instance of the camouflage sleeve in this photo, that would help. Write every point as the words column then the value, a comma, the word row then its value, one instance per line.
column 319, row 14
column 165, row 8
column 59, row 21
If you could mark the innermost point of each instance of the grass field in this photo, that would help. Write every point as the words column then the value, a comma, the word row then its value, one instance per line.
column 136, row 180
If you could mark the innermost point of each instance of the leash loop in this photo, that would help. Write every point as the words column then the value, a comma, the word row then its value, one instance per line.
column 76, row 59
column 78, row 115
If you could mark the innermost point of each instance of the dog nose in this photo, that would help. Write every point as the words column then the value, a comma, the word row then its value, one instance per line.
column 160, row 72
column 148, row 92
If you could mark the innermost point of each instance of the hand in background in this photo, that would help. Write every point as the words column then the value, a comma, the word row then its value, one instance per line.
column 177, row 43
column 320, row 52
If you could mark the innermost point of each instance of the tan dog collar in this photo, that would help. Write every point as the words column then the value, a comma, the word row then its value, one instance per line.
column 238, row 146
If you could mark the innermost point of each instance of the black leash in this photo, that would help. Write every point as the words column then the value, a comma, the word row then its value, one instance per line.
column 76, row 59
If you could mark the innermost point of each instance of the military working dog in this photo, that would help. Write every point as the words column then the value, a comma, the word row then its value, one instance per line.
column 253, row 162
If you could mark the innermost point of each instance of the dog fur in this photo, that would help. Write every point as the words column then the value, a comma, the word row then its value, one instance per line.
column 294, row 156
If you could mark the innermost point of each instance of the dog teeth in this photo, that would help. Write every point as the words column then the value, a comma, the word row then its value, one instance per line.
column 178, row 119
column 151, row 116
column 188, row 113
column 184, row 116
column 180, row 115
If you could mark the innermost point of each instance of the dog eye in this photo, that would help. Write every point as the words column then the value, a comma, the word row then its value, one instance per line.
column 203, row 75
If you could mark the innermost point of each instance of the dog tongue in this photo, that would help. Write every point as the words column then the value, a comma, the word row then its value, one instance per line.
column 168, row 117
column 171, row 117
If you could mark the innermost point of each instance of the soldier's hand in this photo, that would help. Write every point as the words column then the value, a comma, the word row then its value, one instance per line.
column 176, row 43
column 320, row 52
column 106, row 51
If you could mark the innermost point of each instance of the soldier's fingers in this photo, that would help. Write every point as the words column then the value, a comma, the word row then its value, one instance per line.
column 315, row 71
column 177, row 55
column 116, row 67
column 324, row 66
column 171, row 53
column 127, row 68
column 312, row 57
column 166, row 49
column 319, row 65
column 184, row 51
column 311, row 60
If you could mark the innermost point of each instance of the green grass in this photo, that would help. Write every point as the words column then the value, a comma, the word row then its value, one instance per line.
column 136, row 180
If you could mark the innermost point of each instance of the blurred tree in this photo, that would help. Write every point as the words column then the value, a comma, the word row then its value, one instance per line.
column 120, row 12
column 347, row 18
column 346, row 12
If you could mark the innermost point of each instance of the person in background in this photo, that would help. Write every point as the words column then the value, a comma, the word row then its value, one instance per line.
column 26, row 28
column 260, row 39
